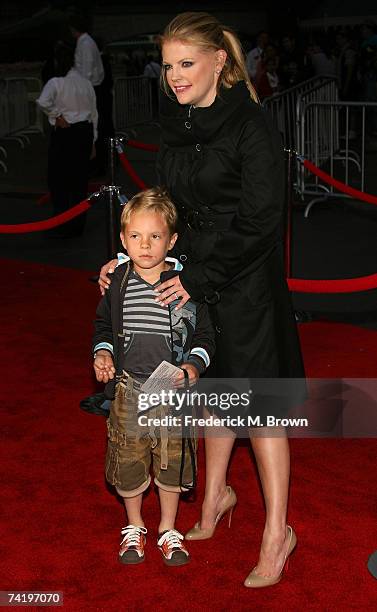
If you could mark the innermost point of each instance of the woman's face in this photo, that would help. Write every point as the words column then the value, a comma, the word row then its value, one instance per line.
column 192, row 73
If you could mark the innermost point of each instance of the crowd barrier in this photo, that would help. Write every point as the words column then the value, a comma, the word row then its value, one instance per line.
column 335, row 136
column 19, row 115
column 284, row 107
column 132, row 102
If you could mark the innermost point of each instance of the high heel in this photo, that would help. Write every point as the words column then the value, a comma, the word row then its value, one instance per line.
column 255, row 581
column 197, row 533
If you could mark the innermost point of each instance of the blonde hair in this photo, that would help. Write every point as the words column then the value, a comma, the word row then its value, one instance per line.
column 155, row 199
column 206, row 32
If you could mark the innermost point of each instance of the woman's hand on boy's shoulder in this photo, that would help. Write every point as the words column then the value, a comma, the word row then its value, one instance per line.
column 170, row 290
column 104, row 281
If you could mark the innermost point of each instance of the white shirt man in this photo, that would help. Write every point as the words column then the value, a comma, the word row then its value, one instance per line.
column 71, row 97
column 88, row 59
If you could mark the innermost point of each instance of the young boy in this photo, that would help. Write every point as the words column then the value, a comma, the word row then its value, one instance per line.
column 134, row 334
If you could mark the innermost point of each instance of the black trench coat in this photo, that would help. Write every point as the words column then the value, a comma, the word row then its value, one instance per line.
column 224, row 168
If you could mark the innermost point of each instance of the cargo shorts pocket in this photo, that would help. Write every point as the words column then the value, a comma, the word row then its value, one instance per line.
column 116, row 442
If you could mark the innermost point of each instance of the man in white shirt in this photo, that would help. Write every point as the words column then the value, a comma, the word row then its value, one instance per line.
column 89, row 63
column 69, row 102
column 87, row 56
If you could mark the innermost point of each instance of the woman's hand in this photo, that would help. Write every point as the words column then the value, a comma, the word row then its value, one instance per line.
column 104, row 281
column 171, row 290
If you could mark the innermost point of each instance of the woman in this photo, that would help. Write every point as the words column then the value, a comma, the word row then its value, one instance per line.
column 223, row 164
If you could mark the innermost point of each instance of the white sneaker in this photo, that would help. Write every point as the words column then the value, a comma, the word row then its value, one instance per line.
column 132, row 546
column 171, row 547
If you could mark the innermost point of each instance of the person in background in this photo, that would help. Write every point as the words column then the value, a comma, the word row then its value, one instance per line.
column 322, row 58
column 268, row 82
column 291, row 68
column 104, row 94
column 69, row 102
column 88, row 62
column 256, row 55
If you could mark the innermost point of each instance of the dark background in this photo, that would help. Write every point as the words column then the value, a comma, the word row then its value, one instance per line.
column 29, row 28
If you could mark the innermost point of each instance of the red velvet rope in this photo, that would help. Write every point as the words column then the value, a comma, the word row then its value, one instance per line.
column 39, row 226
column 344, row 285
column 327, row 178
column 141, row 145
column 92, row 187
column 131, row 172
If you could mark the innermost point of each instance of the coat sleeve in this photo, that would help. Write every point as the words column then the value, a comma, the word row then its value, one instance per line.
column 257, row 225
column 103, row 333
column 203, row 342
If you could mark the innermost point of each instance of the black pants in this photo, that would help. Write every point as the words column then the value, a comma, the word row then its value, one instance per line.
column 104, row 99
column 68, row 168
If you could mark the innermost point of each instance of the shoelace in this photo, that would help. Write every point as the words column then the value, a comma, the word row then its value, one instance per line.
column 172, row 537
column 132, row 535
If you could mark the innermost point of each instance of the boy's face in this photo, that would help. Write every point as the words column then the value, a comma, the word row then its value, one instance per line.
column 147, row 240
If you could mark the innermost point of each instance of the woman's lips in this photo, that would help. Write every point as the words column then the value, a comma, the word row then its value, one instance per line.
column 181, row 88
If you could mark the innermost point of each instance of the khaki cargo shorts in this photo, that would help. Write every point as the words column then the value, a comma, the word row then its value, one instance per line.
column 132, row 447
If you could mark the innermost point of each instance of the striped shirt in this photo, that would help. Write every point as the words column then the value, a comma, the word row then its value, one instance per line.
column 146, row 326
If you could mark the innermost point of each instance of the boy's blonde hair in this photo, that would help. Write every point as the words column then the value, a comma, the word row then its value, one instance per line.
column 155, row 199
column 206, row 32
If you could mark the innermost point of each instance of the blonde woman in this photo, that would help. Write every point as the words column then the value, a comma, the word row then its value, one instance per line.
column 223, row 164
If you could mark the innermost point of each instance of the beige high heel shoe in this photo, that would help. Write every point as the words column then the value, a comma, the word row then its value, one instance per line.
column 196, row 533
column 255, row 581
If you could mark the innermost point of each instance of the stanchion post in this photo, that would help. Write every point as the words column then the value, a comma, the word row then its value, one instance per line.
column 290, row 155
column 112, row 221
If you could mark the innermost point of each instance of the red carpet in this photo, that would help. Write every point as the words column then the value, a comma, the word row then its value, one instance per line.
column 61, row 524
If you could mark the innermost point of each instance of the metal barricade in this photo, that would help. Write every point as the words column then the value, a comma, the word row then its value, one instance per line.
column 4, row 119
column 34, row 87
column 4, row 114
column 283, row 106
column 318, row 135
column 18, row 105
column 324, row 130
column 132, row 102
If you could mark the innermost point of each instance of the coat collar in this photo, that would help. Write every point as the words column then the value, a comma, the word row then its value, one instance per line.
column 205, row 121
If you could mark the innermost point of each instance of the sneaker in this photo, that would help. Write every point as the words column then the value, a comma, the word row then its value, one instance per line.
column 132, row 546
column 171, row 547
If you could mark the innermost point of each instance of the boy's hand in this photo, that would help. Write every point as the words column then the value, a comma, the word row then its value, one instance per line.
column 104, row 366
column 179, row 380
column 104, row 281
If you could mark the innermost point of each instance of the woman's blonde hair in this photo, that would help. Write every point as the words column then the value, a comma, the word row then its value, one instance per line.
column 205, row 31
column 155, row 199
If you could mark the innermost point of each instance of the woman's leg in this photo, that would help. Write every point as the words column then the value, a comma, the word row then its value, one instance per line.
column 273, row 461
column 218, row 447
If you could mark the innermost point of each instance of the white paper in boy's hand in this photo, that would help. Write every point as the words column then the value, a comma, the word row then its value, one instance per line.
column 161, row 379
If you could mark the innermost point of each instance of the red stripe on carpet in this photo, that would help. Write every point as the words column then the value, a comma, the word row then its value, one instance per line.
column 62, row 524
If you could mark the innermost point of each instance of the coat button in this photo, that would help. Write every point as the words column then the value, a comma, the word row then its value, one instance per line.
column 183, row 257
column 188, row 125
column 198, row 147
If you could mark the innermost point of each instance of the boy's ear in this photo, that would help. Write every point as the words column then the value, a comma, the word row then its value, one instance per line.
column 173, row 240
column 122, row 239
